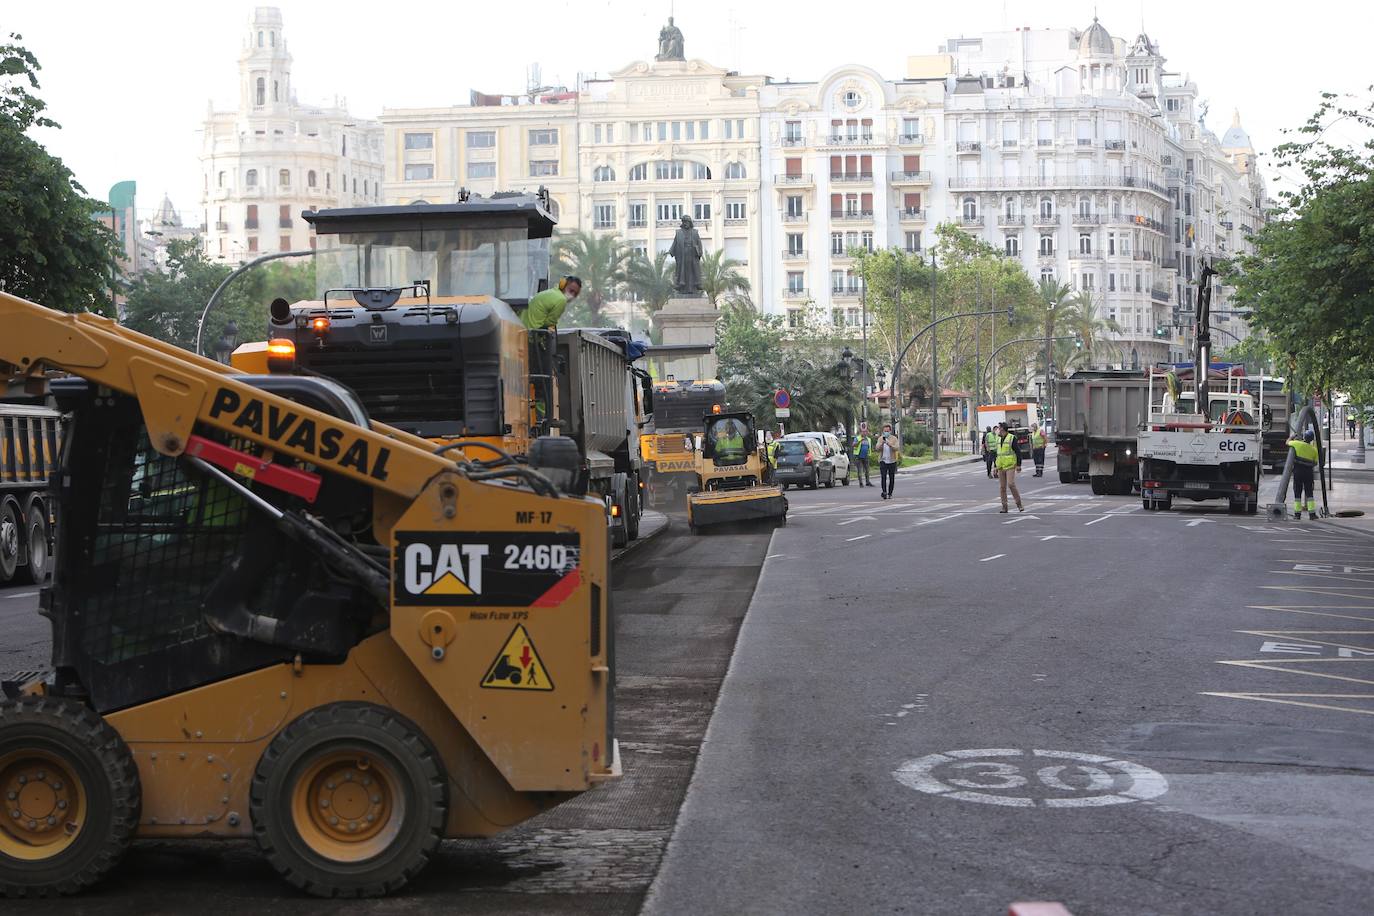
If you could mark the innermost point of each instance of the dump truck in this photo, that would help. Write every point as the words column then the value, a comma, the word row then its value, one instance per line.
column 668, row 445
column 417, row 311
column 30, row 442
column 1097, row 415
column 730, row 476
column 277, row 619
column 602, row 407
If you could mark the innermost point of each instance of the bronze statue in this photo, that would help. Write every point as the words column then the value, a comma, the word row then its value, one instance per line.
column 686, row 255
column 670, row 42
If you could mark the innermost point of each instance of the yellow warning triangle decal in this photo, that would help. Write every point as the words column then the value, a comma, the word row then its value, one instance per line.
column 448, row 584
column 517, row 666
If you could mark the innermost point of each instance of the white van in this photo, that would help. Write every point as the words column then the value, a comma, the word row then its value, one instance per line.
column 833, row 449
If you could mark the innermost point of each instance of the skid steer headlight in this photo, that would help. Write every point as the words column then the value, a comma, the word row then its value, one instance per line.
column 281, row 355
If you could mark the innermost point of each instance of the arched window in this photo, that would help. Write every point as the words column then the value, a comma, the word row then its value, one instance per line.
column 640, row 172
column 1085, row 206
column 276, row 91
column 1046, row 208
column 1013, row 246
column 261, row 94
column 603, row 173
column 284, row 178
column 1047, row 275
column 310, row 179
column 1046, row 246
column 220, row 180
column 1011, row 206
column 734, row 170
column 700, row 171
column 970, row 208
column 250, row 179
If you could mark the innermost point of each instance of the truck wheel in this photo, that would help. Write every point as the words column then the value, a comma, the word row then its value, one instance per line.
column 633, row 512
column 72, row 797
column 1066, row 477
column 10, row 540
column 36, row 544
column 349, row 800
column 1099, row 485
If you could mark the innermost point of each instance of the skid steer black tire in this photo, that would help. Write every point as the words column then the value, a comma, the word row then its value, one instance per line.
column 321, row 757
column 69, row 760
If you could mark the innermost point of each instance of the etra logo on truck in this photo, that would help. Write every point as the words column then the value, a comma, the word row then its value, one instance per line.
column 486, row 569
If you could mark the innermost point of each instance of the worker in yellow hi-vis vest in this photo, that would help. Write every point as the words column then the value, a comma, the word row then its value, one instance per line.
column 1006, row 466
column 1304, row 468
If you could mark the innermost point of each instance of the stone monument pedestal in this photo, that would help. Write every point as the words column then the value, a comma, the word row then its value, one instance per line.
column 688, row 321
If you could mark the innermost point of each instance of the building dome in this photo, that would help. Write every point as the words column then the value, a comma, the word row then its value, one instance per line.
column 166, row 214
column 1235, row 136
column 1096, row 42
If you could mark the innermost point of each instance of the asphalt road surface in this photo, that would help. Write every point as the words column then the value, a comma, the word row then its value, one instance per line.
column 937, row 708
column 679, row 602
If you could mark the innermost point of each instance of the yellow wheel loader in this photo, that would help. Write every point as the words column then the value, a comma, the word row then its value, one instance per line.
column 730, row 476
column 275, row 619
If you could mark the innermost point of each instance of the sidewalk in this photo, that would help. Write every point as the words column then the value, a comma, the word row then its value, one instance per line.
column 1350, row 489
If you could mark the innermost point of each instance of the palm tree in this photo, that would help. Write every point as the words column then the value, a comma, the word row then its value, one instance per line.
column 1083, row 319
column 599, row 260
column 650, row 281
column 720, row 277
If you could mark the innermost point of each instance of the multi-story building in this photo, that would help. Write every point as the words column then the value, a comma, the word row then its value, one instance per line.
column 1080, row 155
column 671, row 138
column 846, row 164
column 495, row 143
column 271, row 157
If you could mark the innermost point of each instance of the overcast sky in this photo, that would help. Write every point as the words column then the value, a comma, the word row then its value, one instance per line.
column 130, row 81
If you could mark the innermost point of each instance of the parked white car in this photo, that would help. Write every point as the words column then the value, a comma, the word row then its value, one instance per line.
column 832, row 448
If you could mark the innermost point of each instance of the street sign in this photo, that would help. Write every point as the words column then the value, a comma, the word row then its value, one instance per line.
column 782, row 413
column 781, row 399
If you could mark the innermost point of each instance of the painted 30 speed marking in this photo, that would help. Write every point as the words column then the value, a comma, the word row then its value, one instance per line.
column 1020, row 778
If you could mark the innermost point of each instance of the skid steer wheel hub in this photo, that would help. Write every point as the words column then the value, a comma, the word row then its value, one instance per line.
column 45, row 804
column 344, row 806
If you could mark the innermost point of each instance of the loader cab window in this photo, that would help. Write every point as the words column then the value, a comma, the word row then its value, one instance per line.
column 500, row 262
column 729, row 441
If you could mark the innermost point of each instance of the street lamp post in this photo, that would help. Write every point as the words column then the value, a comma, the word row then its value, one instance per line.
column 847, row 375
column 934, row 371
column 224, row 284
column 1020, row 340
column 897, row 369
column 863, row 378
column 228, row 340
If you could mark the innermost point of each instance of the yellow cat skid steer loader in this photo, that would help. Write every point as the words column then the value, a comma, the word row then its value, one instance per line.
column 730, row 473
column 274, row 619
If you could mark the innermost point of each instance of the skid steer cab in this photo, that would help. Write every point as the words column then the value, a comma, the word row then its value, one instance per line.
column 273, row 618
column 730, row 476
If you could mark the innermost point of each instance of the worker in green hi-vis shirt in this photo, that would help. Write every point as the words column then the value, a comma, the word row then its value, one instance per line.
column 541, row 317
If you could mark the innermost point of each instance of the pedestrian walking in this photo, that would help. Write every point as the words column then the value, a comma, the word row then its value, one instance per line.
column 989, row 449
column 1350, row 427
column 1037, row 442
column 889, row 454
column 1006, row 467
column 1305, row 458
column 861, row 446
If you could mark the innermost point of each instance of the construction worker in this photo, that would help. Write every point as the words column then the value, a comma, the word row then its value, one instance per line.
column 989, row 449
column 541, row 318
column 729, row 436
column 1037, row 443
column 1006, row 466
column 1305, row 459
column 861, row 447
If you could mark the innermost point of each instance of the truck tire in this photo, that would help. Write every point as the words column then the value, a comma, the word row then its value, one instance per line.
column 633, row 512
column 1099, row 485
column 387, row 796
column 1066, row 477
column 36, row 538
column 11, row 540
column 72, row 781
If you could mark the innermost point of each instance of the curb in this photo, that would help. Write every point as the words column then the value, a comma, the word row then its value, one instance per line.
column 942, row 463
column 643, row 538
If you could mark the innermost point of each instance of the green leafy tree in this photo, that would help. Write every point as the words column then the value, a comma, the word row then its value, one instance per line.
column 721, row 277
column 650, row 281
column 52, row 248
column 600, row 261
column 1310, row 279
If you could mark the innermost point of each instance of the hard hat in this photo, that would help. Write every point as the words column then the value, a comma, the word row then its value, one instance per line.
column 1308, row 435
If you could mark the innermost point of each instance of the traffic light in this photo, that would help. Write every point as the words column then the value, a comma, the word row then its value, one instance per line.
column 1161, row 331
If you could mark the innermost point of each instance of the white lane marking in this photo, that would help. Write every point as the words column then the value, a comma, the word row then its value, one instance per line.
column 931, row 521
column 1050, row 537
column 859, row 538
column 1096, row 520
column 861, row 518
column 995, row 556
column 1020, row 518
column 1199, row 521
column 772, row 556
column 19, row 595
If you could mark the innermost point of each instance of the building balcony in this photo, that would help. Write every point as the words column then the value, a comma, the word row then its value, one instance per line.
column 794, row 217
column 851, row 216
column 221, row 227
column 911, row 140
column 795, row 293
column 969, row 146
column 849, row 140
column 637, row 224
column 1169, row 264
column 793, row 141
column 1010, row 144
column 921, row 176
column 851, row 177
column 736, row 221
column 845, row 292
column 789, row 254
column 1115, row 146
column 912, row 215
column 665, row 223
column 1086, row 256
column 1087, row 219
column 1227, row 225
column 1085, row 141
column 971, row 222
column 989, row 182
column 1160, row 294
column 1012, row 221
column 1044, row 141
column 794, row 181
column 1041, row 219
